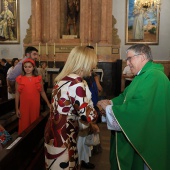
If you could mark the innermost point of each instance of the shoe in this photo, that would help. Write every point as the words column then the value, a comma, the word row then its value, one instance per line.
column 87, row 165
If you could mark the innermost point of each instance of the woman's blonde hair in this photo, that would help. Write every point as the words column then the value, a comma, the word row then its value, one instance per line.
column 81, row 59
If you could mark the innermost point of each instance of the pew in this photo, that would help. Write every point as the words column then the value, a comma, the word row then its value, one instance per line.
column 8, row 118
column 26, row 151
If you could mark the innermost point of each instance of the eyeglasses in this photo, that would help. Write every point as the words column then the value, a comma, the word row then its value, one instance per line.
column 129, row 58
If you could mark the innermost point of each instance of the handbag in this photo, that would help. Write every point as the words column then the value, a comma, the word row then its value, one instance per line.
column 92, row 139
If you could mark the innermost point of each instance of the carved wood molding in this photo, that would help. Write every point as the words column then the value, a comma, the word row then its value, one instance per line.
column 28, row 37
column 115, row 38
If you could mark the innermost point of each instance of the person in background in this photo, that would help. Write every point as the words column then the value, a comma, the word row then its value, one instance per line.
column 14, row 62
column 2, row 81
column 95, row 87
column 5, row 65
column 30, row 52
column 29, row 87
column 69, row 103
column 127, row 75
column 140, row 116
column 85, row 151
column 43, row 72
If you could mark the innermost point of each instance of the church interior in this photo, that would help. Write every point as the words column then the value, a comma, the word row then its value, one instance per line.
column 44, row 24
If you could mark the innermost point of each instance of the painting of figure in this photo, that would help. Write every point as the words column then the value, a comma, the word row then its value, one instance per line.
column 9, row 21
column 142, row 22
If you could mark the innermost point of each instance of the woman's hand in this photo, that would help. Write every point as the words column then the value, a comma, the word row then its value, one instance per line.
column 49, row 105
column 18, row 113
column 103, row 103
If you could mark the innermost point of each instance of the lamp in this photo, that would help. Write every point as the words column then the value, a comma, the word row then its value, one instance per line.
column 147, row 4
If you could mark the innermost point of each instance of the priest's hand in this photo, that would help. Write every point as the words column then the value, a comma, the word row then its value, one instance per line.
column 103, row 103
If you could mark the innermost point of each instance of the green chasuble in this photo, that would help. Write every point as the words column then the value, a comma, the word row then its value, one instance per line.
column 143, row 113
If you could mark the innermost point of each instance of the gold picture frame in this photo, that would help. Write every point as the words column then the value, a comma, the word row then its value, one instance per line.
column 9, row 22
column 142, row 23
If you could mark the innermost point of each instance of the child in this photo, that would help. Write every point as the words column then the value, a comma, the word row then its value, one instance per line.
column 29, row 86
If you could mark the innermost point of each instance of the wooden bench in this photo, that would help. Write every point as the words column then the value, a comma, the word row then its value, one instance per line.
column 26, row 151
column 8, row 118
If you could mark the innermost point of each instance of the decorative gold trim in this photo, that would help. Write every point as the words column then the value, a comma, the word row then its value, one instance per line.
column 115, row 50
column 131, row 144
column 117, row 157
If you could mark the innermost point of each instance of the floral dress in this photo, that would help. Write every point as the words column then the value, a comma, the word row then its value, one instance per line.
column 71, row 100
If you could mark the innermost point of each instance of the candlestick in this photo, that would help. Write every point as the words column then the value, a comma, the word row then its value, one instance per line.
column 96, row 48
column 46, row 49
column 54, row 49
column 47, row 60
column 39, row 49
column 54, row 61
column 39, row 61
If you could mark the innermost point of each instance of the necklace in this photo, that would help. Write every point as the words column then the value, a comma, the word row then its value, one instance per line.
column 30, row 78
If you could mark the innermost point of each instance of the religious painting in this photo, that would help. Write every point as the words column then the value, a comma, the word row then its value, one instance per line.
column 70, row 19
column 142, row 22
column 9, row 22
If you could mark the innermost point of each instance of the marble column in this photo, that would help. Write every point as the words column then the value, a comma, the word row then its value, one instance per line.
column 54, row 33
column 103, row 21
column 46, row 20
column 109, row 24
column 36, row 21
column 89, row 21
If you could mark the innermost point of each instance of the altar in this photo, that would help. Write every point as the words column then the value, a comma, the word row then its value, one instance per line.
column 54, row 34
column 52, row 72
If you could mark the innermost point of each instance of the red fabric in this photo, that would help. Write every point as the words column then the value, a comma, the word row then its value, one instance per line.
column 29, row 89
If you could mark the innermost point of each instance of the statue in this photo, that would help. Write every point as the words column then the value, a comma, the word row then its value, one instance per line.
column 72, row 16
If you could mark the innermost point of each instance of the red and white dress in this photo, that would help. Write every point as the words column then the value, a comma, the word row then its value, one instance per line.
column 71, row 100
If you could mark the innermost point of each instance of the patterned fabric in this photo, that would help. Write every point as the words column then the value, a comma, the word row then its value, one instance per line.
column 71, row 100
column 4, row 136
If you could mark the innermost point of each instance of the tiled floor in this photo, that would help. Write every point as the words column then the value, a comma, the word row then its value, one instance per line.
column 101, row 160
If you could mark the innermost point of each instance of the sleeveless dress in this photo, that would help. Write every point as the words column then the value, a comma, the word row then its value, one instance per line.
column 29, row 89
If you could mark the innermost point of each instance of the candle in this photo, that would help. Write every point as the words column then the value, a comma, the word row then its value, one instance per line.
column 96, row 48
column 46, row 49
column 89, row 44
column 54, row 48
column 39, row 49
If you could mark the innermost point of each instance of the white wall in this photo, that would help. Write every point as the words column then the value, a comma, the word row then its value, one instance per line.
column 159, row 52
column 17, row 50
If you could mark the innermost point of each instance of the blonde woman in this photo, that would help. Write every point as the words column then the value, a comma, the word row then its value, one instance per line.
column 69, row 103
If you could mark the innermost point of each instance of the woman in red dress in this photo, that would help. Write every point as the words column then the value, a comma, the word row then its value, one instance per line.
column 29, row 86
